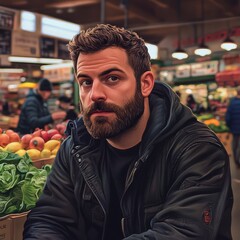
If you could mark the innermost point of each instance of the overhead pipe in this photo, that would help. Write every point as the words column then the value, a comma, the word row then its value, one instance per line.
column 167, row 25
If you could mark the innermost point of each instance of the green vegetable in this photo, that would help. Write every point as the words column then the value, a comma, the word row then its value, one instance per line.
column 21, row 183
column 204, row 117
column 219, row 129
column 8, row 177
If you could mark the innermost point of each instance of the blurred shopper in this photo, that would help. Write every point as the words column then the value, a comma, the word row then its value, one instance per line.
column 65, row 104
column 196, row 107
column 5, row 108
column 138, row 164
column 233, row 122
column 34, row 113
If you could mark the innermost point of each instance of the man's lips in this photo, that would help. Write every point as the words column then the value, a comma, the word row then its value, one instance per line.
column 101, row 113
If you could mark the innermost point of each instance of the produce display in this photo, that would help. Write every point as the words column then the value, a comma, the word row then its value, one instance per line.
column 38, row 145
column 21, row 183
column 214, row 124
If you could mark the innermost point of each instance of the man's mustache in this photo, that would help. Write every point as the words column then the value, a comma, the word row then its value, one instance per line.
column 100, row 106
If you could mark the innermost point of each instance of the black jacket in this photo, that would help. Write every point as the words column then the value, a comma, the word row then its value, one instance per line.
column 178, row 188
column 34, row 114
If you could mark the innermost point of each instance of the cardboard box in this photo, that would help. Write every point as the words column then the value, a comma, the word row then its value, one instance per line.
column 42, row 162
column 11, row 226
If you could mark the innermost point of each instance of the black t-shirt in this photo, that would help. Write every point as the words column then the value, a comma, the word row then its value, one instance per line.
column 118, row 162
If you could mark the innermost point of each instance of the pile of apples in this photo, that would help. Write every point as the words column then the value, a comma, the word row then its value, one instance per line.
column 38, row 145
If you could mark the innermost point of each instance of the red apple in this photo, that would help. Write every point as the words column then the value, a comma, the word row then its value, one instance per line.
column 61, row 128
column 45, row 136
column 52, row 132
column 25, row 139
column 57, row 136
column 37, row 132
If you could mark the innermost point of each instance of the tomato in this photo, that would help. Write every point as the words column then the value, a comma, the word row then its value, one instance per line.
column 4, row 140
column 14, row 137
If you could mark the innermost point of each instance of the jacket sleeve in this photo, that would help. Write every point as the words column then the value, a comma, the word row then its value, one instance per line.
column 32, row 113
column 55, row 216
column 199, row 201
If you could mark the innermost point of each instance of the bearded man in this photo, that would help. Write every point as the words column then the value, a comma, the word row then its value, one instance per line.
column 138, row 164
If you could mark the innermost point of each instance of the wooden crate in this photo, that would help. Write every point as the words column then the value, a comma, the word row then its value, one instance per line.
column 42, row 162
column 11, row 226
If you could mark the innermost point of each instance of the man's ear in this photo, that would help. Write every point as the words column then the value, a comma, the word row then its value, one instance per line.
column 147, row 83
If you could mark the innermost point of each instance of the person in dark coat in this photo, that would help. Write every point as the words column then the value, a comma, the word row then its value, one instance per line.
column 138, row 164
column 34, row 112
column 233, row 122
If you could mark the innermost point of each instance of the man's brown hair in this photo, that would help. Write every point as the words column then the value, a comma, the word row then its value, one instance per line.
column 105, row 35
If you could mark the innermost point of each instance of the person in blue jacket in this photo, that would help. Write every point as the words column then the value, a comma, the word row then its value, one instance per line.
column 233, row 122
column 138, row 164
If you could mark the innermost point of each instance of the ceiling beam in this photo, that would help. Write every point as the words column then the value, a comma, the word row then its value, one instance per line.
column 68, row 4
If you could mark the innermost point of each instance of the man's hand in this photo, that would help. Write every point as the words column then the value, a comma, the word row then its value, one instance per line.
column 60, row 115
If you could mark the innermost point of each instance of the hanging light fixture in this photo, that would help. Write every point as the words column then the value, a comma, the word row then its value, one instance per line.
column 203, row 49
column 179, row 53
column 228, row 44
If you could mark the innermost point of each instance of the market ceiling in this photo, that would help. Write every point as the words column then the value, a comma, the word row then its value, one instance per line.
column 152, row 19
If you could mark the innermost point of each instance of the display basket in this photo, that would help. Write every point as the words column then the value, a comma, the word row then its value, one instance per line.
column 42, row 162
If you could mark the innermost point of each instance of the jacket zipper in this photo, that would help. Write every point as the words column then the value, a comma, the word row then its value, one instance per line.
column 99, row 201
column 129, row 182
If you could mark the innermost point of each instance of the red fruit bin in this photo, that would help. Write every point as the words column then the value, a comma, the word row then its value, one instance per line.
column 42, row 162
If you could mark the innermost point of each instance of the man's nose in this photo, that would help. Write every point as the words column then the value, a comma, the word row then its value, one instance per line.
column 98, row 92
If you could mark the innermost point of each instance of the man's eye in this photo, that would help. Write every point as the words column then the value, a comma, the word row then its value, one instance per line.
column 85, row 83
column 113, row 78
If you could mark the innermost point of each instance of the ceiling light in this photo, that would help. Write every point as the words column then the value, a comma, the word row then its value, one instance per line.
column 11, row 70
column 67, row 64
column 202, row 50
column 179, row 54
column 228, row 44
column 34, row 60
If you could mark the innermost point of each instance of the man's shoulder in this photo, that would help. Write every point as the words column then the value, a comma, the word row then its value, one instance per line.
column 196, row 132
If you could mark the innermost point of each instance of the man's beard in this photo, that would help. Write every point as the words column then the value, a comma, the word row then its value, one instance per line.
column 126, row 117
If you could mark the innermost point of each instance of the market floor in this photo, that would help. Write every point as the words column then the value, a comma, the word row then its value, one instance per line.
column 236, row 206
